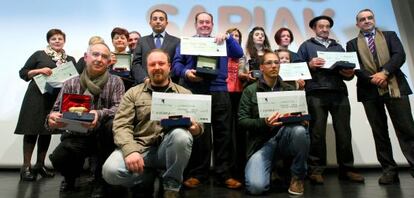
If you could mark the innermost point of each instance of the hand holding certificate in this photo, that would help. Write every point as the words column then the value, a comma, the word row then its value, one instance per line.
column 195, row 106
column 59, row 75
column 294, row 71
column 340, row 59
column 202, row 46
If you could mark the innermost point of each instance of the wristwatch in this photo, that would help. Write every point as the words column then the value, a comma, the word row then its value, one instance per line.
column 386, row 72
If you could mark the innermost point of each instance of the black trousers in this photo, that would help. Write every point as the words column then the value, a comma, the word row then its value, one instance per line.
column 337, row 104
column 69, row 156
column 399, row 110
column 199, row 163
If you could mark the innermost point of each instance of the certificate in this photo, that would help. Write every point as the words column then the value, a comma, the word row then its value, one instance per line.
column 123, row 62
column 202, row 46
column 332, row 57
column 294, row 71
column 74, row 125
column 195, row 106
column 282, row 102
column 59, row 74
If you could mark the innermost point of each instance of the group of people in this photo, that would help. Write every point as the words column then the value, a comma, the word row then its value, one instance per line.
column 131, row 150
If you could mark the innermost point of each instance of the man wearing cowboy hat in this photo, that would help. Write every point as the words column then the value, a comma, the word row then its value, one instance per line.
column 327, row 93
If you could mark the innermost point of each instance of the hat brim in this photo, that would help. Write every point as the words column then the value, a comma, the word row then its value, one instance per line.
column 316, row 19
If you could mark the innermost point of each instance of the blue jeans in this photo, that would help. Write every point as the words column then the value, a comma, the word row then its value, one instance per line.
column 291, row 140
column 172, row 155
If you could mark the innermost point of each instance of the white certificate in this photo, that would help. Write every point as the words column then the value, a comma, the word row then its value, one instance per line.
column 332, row 57
column 195, row 106
column 202, row 46
column 74, row 125
column 294, row 71
column 282, row 102
column 59, row 74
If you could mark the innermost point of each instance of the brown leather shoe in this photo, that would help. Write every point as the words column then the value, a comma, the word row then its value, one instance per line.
column 352, row 177
column 316, row 179
column 296, row 186
column 192, row 182
column 232, row 183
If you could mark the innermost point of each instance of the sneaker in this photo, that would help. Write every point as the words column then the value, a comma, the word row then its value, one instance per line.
column 352, row 177
column 388, row 178
column 316, row 179
column 232, row 183
column 192, row 182
column 171, row 194
column 296, row 186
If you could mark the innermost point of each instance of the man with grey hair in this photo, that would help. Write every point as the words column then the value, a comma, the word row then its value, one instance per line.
column 381, row 83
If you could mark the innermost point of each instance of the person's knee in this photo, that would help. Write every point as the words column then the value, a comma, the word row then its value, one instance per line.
column 300, row 134
column 181, row 138
column 255, row 187
column 110, row 173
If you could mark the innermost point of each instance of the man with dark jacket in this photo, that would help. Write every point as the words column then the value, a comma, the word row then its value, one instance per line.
column 269, row 138
column 327, row 93
column 381, row 82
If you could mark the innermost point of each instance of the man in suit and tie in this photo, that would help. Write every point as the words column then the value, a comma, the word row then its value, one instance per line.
column 158, row 22
column 382, row 83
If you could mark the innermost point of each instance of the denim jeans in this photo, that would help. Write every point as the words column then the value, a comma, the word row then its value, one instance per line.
column 292, row 141
column 171, row 155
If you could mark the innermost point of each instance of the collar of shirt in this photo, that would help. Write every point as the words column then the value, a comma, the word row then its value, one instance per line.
column 324, row 42
column 155, row 34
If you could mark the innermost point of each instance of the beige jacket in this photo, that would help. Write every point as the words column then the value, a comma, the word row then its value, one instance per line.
column 133, row 130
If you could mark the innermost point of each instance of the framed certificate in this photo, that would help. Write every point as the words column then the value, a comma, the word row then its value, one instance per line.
column 123, row 62
column 282, row 102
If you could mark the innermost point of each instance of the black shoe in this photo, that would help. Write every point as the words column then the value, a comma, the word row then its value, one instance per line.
column 98, row 189
column 388, row 178
column 26, row 174
column 67, row 185
column 43, row 171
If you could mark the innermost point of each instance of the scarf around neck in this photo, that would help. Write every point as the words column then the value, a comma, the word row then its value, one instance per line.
column 94, row 86
column 383, row 55
column 58, row 57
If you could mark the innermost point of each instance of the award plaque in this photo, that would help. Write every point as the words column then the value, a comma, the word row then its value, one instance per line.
column 254, row 68
column 342, row 65
column 76, row 107
column 177, row 121
column 122, row 66
column 295, row 118
column 53, row 88
column 206, row 66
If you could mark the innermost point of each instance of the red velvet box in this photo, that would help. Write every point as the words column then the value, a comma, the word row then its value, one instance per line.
column 76, row 100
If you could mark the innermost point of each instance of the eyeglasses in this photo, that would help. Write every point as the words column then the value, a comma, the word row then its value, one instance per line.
column 97, row 54
column 270, row 63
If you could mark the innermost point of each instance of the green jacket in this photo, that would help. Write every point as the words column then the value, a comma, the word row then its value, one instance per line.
column 257, row 130
column 133, row 130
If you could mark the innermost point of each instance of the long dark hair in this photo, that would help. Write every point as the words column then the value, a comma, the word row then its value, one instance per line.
column 250, row 48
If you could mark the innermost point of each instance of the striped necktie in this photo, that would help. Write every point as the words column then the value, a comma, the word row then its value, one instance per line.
column 371, row 42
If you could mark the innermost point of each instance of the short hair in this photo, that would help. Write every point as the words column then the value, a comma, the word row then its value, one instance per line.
column 119, row 31
column 364, row 10
column 229, row 31
column 284, row 50
column 279, row 32
column 159, row 50
column 266, row 51
column 53, row 32
column 158, row 10
column 93, row 44
column 95, row 40
column 198, row 14
column 135, row 32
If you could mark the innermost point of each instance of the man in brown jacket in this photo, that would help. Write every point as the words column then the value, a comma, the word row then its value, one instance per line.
column 142, row 145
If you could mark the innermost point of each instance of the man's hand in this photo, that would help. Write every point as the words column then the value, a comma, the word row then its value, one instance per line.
column 272, row 120
column 194, row 128
column 316, row 63
column 347, row 72
column 135, row 163
column 93, row 124
column 379, row 79
column 53, row 122
column 220, row 38
column 301, row 84
column 113, row 59
column 191, row 76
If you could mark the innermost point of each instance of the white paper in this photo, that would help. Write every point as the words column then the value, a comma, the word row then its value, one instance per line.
column 294, row 71
column 282, row 102
column 59, row 75
column 73, row 125
column 202, row 46
column 195, row 106
column 332, row 57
